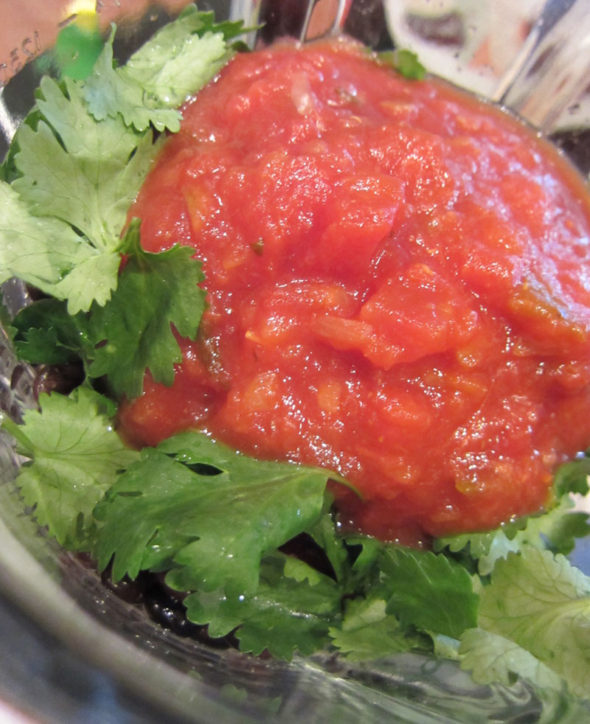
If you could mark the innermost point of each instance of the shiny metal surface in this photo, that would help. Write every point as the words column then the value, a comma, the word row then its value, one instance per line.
column 551, row 72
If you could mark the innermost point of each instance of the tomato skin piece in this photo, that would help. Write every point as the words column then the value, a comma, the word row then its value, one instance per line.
column 398, row 279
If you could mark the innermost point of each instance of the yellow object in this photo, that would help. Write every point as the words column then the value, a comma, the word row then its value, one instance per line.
column 84, row 12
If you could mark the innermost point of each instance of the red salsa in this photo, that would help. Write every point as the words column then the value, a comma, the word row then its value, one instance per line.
column 398, row 283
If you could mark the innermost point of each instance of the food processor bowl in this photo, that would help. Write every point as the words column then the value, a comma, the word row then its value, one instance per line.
column 73, row 649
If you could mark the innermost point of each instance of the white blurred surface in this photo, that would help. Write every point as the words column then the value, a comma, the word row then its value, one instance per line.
column 480, row 45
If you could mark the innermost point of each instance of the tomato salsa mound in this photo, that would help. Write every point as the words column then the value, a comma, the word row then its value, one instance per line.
column 398, row 284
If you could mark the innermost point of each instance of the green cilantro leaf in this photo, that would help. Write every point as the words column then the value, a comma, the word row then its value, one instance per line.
column 42, row 346
column 369, row 632
column 494, row 659
column 76, row 174
column 556, row 529
column 324, row 533
column 40, row 251
column 429, row 591
column 74, row 458
column 85, row 174
column 216, row 527
column 542, row 603
column 405, row 62
column 80, row 171
column 367, row 555
column 572, row 477
column 230, row 29
column 135, row 331
column 91, row 281
column 283, row 615
column 44, row 333
column 177, row 62
column 123, row 339
column 445, row 647
column 486, row 548
column 113, row 93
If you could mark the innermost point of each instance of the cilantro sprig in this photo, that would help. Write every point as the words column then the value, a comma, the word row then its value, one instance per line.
column 221, row 525
column 79, row 160
column 123, row 339
column 73, row 461
column 542, row 603
column 75, row 167
column 404, row 62
column 130, row 338
column 214, row 512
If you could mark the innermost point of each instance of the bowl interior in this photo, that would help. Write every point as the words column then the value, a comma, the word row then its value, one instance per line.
column 123, row 664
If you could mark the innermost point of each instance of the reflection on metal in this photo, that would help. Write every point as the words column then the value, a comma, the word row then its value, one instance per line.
column 531, row 55
column 329, row 15
column 302, row 19
column 553, row 68
column 8, row 124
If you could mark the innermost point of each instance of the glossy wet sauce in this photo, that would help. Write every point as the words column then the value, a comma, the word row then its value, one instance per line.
column 398, row 288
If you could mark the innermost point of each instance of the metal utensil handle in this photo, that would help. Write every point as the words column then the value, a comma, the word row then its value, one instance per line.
column 335, row 12
column 303, row 19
